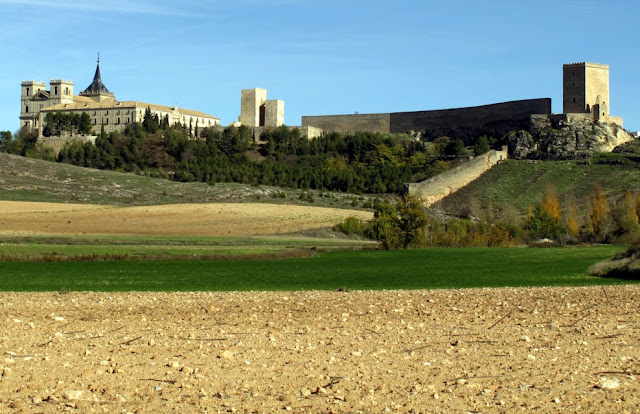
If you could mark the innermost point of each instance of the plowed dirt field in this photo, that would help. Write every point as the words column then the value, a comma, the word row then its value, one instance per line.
column 478, row 350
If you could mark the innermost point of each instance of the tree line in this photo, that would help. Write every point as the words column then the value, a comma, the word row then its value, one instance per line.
column 407, row 223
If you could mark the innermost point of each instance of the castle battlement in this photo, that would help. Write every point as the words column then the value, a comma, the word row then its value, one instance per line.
column 60, row 81
column 590, row 64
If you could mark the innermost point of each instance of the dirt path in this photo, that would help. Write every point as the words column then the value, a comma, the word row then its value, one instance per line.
column 215, row 219
column 480, row 350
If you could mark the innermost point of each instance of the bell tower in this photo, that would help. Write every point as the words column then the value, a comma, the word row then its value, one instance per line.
column 61, row 91
column 31, row 101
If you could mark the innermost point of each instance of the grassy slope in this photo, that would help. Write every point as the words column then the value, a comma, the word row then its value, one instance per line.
column 405, row 269
column 24, row 179
column 520, row 183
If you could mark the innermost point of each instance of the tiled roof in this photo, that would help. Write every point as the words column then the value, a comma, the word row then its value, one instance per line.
column 85, row 103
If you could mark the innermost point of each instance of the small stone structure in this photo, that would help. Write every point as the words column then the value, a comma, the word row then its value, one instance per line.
column 436, row 188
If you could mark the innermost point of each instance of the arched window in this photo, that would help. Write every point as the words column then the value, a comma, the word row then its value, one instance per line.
column 56, row 91
column 27, row 91
column 26, row 109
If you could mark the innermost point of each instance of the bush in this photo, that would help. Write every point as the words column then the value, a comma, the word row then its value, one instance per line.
column 308, row 197
column 350, row 226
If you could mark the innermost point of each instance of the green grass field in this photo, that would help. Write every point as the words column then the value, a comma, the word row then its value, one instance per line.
column 405, row 269
column 82, row 248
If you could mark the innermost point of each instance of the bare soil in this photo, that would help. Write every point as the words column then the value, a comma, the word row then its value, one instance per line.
column 477, row 350
column 213, row 219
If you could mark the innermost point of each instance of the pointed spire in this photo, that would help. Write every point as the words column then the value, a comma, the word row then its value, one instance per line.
column 97, row 88
column 96, row 77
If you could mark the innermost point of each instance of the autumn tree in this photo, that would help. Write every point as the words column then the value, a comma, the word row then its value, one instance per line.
column 551, row 202
column 599, row 214
column 413, row 219
column 573, row 226
column 624, row 215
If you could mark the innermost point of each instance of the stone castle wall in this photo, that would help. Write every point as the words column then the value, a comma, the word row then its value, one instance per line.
column 472, row 118
column 436, row 188
column 349, row 123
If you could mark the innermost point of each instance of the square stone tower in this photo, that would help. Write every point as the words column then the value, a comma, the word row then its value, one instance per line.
column 250, row 106
column 33, row 98
column 585, row 87
column 257, row 111
column 61, row 92
column 274, row 112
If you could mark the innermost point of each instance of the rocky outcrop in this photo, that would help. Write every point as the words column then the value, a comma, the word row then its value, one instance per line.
column 564, row 138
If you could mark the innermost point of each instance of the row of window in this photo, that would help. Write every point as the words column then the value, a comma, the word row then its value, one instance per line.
column 106, row 121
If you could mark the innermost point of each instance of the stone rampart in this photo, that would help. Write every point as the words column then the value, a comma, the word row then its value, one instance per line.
column 349, row 123
column 467, row 121
column 57, row 143
column 436, row 188
column 473, row 118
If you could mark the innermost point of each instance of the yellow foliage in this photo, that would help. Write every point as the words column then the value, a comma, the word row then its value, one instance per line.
column 599, row 210
column 551, row 202
column 573, row 227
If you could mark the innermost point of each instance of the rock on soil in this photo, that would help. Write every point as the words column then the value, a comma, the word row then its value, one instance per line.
column 476, row 350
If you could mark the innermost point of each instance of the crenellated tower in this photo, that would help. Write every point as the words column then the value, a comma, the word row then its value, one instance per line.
column 586, row 89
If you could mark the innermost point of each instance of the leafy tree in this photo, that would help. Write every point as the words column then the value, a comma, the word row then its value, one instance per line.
column 413, row 219
column 481, row 146
column 573, row 226
column 551, row 202
column 5, row 139
column 624, row 215
column 599, row 214
column 400, row 225
column 540, row 224
column 456, row 148
column 386, row 227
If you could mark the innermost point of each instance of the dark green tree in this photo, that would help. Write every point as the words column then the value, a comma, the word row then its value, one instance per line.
column 150, row 122
column 481, row 146
column 540, row 224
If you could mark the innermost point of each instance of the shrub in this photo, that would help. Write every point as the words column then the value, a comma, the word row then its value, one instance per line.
column 351, row 225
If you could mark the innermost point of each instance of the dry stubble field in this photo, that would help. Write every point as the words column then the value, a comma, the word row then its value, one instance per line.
column 476, row 350
column 213, row 219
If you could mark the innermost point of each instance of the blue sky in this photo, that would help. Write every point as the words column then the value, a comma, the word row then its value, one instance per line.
column 320, row 57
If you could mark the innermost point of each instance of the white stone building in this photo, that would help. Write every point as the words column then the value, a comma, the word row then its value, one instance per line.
column 101, row 105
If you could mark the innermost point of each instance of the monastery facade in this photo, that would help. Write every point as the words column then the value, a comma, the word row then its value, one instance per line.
column 101, row 105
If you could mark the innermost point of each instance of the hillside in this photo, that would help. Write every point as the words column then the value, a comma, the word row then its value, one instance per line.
column 26, row 179
column 513, row 185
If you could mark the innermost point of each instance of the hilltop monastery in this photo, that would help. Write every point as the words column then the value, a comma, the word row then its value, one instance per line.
column 101, row 104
